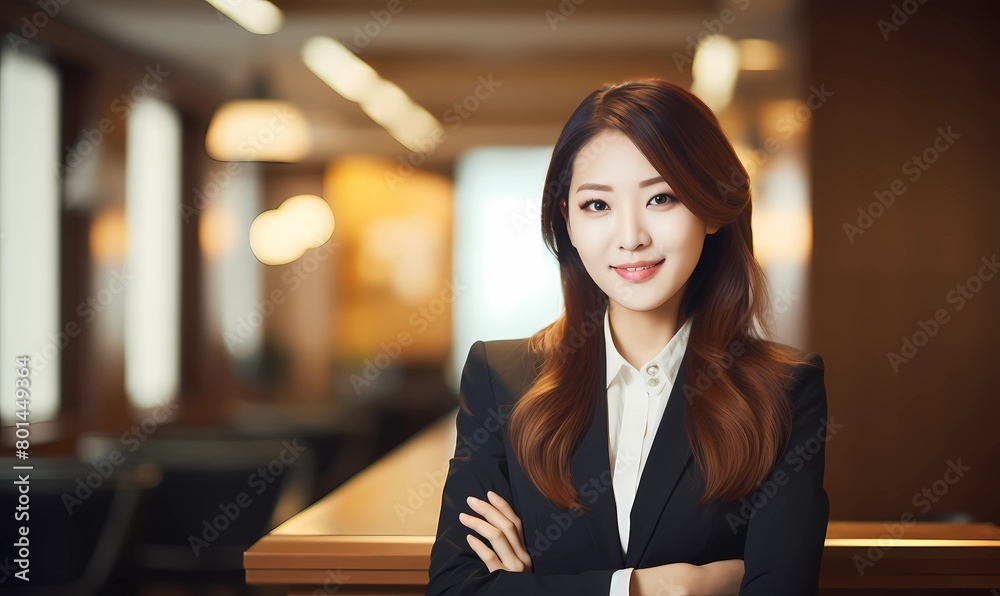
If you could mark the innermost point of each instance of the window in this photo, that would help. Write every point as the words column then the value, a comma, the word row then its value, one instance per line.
column 152, row 259
column 29, row 233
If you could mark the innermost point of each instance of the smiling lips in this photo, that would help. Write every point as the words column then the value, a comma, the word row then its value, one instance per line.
column 639, row 270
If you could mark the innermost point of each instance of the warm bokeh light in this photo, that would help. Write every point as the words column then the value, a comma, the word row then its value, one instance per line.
column 395, row 226
column 784, row 118
column 383, row 101
column 339, row 68
column 759, row 54
column 782, row 221
column 400, row 253
column 256, row 16
column 216, row 232
column 108, row 237
column 781, row 235
column 258, row 130
column 716, row 65
column 281, row 235
column 398, row 241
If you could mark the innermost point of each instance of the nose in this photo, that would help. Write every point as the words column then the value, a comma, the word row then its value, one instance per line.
column 632, row 229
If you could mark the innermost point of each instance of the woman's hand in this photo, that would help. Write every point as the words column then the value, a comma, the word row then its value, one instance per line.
column 502, row 527
column 683, row 579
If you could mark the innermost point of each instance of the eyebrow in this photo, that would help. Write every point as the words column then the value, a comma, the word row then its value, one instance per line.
column 606, row 188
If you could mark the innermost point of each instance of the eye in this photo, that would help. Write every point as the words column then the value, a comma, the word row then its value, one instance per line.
column 589, row 202
column 664, row 199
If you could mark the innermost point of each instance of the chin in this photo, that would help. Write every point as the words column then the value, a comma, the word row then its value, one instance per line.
column 641, row 299
column 645, row 306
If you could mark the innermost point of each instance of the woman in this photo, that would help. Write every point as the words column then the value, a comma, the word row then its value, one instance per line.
column 676, row 450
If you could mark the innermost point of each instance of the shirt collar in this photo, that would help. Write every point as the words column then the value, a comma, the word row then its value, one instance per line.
column 668, row 360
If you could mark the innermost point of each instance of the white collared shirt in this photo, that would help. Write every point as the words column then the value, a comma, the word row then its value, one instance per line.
column 636, row 402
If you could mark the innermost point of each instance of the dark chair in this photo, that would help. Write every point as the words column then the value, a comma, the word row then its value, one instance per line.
column 81, row 524
column 220, row 492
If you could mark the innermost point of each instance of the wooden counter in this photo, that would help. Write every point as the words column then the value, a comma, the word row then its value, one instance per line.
column 373, row 535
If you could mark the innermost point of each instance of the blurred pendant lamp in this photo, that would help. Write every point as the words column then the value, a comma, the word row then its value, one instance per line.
column 257, row 128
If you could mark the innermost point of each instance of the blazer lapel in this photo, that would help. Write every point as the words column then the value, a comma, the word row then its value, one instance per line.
column 668, row 456
column 591, row 466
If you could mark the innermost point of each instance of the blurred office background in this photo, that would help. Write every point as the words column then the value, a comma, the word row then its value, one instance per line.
column 246, row 236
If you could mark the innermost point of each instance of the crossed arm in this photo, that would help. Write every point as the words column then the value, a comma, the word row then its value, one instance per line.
column 501, row 526
column 790, row 527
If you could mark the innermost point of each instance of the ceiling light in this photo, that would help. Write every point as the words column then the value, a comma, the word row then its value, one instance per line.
column 339, row 68
column 281, row 235
column 383, row 101
column 256, row 16
column 258, row 130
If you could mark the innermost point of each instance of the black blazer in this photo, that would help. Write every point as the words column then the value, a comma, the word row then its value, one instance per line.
column 778, row 532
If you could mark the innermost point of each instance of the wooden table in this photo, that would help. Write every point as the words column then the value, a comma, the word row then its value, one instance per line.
column 373, row 535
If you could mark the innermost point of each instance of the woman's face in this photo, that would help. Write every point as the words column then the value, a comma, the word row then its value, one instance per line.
column 621, row 214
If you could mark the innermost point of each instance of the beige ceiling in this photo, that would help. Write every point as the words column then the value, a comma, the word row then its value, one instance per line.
column 437, row 51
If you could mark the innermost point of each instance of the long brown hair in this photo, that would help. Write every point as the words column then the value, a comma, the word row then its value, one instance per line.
column 738, row 426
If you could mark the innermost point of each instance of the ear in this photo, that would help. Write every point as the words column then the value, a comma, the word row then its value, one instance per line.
column 712, row 229
column 565, row 214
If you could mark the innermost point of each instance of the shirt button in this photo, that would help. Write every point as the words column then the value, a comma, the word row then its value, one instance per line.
column 652, row 369
column 653, row 381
